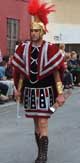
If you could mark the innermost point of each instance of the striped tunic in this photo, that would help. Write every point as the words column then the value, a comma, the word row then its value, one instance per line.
column 37, row 64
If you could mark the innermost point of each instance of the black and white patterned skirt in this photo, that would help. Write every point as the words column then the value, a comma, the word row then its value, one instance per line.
column 37, row 101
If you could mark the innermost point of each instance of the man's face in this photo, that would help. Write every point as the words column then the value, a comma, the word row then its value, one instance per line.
column 35, row 35
column 74, row 56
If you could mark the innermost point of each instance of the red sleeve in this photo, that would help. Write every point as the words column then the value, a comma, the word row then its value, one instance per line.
column 52, row 50
column 20, row 49
column 16, row 70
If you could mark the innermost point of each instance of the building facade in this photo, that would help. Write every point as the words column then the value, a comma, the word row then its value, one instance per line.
column 14, row 24
column 64, row 26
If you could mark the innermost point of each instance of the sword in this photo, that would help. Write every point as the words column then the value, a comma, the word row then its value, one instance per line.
column 18, row 99
column 18, row 110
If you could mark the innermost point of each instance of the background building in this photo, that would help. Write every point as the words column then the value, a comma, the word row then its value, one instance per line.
column 64, row 26
column 14, row 24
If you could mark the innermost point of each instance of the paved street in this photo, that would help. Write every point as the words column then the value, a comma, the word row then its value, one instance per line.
column 17, row 143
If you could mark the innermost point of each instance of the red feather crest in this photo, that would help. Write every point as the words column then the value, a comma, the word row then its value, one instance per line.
column 40, row 10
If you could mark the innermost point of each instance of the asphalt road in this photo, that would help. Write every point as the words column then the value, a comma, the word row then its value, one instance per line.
column 17, row 143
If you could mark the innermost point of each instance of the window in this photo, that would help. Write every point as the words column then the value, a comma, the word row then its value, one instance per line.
column 12, row 34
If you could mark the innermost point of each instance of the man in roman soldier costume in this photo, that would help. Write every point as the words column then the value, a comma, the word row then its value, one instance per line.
column 38, row 64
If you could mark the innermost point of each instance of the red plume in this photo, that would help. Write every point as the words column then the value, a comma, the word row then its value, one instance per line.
column 33, row 7
column 40, row 10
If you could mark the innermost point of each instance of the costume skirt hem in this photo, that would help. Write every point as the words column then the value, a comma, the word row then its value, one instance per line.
column 44, row 114
column 36, row 116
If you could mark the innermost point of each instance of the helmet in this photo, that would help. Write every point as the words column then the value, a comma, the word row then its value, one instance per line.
column 40, row 26
column 40, row 13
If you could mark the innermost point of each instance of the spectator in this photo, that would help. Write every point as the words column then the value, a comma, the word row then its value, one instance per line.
column 62, row 49
column 17, row 44
column 67, row 77
column 3, row 93
column 73, row 67
column 3, row 66
column 9, row 69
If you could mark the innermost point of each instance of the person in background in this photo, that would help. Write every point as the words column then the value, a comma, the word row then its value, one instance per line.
column 67, row 77
column 62, row 49
column 9, row 69
column 3, row 86
column 73, row 66
column 17, row 44
column 3, row 93
column 38, row 65
column 3, row 66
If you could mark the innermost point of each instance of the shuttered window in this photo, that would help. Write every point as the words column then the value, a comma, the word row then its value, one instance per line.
column 12, row 34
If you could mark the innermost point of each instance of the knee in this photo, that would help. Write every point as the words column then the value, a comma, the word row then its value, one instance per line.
column 43, row 124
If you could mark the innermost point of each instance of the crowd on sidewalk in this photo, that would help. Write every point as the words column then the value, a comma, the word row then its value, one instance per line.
column 6, row 79
column 71, row 75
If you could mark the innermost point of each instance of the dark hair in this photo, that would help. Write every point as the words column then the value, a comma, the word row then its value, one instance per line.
column 6, row 58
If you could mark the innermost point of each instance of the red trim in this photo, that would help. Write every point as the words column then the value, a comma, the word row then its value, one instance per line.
column 59, row 67
column 20, row 49
column 19, row 70
column 19, row 62
column 53, row 62
column 37, row 111
column 50, row 65
column 29, row 56
column 28, row 116
column 39, row 58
